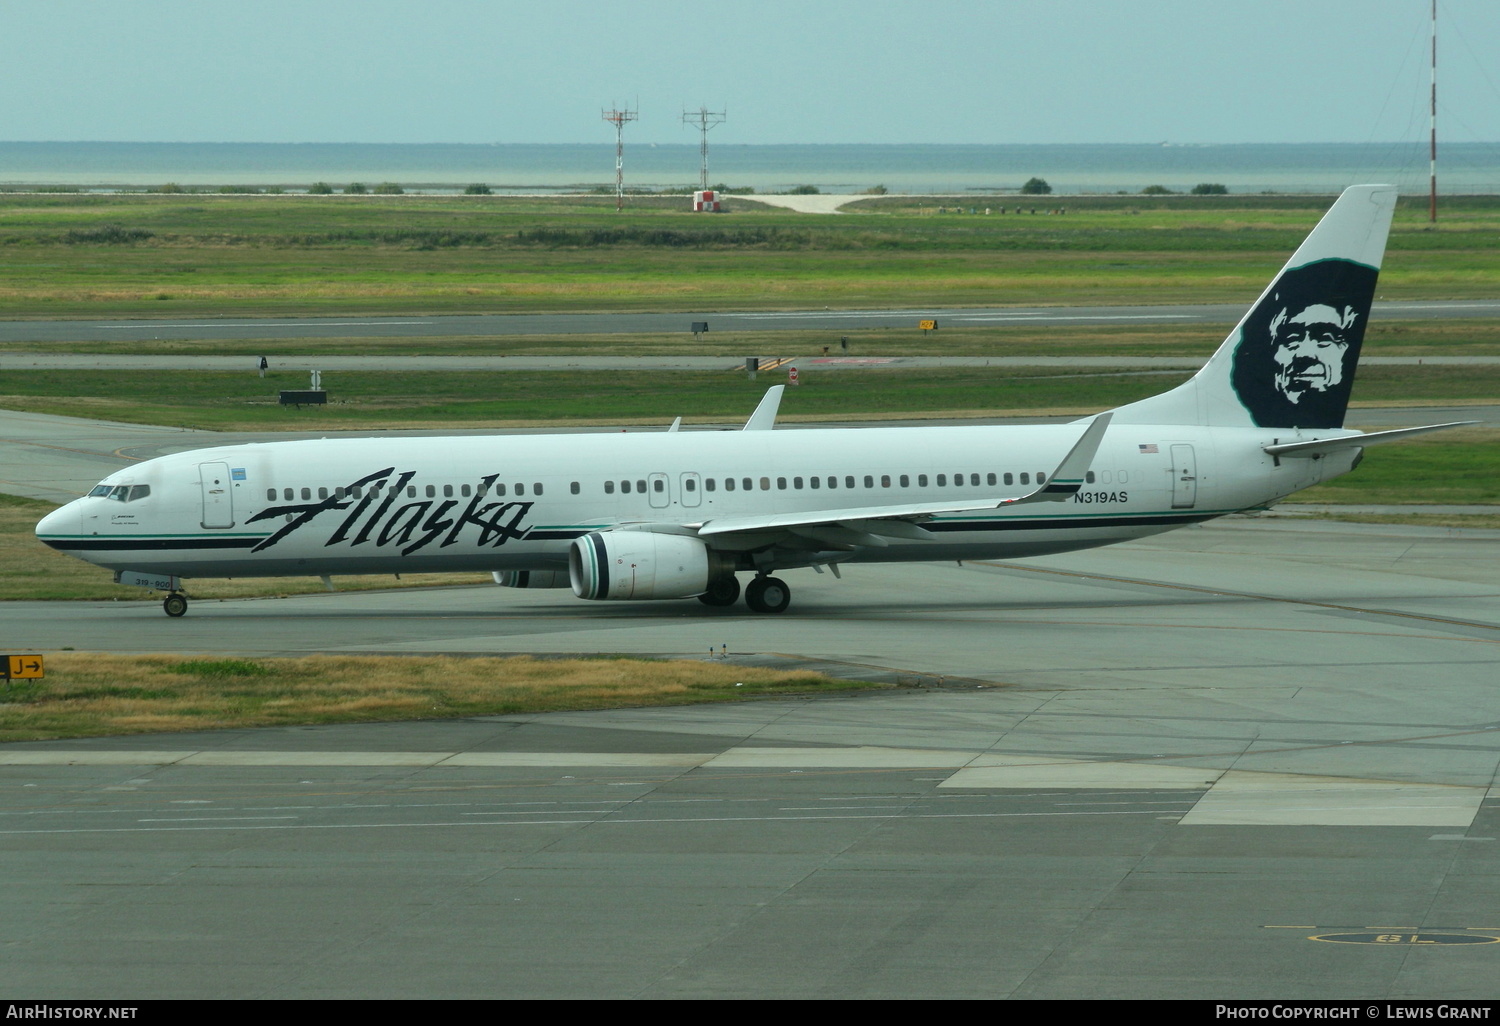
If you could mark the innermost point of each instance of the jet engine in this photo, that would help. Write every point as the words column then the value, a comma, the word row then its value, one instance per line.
column 530, row 578
column 639, row 565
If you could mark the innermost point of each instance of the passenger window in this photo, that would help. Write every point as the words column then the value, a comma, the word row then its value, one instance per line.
column 270, row 492
column 1088, row 477
column 1041, row 479
column 974, row 480
column 306, row 494
column 411, row 491
column 536, row 488
column 797, row 483
column 885, row 480
column 921, row 480
column 869, row 481
column 658, row 486
column 609, row 488
column 1026, row 479
column 1123, row 477
column 520, row 488
column 746, row 483
column 573, row 487
column 833, row 482
column 1009, row 479
column 447, row 491
column 848, row 481
column 356, row 491
column 765, row 484
column 688, row 484
column 781, row 483
column 640, row 486
column 625, row 487
column 286, row 494
column 708, row 484
column 905, row 481
column 990, row 479
column 942, row 480
column 729, row 484
column 499, row 488
column 431, row 491
column 322, row 493
column 814, row 482
column 464, row 490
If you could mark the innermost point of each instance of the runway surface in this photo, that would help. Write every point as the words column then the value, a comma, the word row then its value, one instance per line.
column 610, row 323
column 1245, row 760
column 1254, row 759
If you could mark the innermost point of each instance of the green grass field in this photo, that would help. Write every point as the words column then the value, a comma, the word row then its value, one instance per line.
column 225, row 255
column 473, row 399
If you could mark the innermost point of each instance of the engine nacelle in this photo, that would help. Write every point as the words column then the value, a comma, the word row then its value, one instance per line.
column 638, row 565
column 530, row 578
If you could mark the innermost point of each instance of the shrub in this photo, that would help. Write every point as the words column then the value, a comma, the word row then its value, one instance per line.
column 389, row 189
column 477, row 189
column 876, row 190
column 1157, row 190
column 1036, row 187
column 108, row 235
column 805, row 190
column 1210, row 189
column 170, row 188
column 355, row 189
column 320, row 189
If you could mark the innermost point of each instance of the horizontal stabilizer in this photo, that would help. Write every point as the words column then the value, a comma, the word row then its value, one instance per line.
column 1319, row 446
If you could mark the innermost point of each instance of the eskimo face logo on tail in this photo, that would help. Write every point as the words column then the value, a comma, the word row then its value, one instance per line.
column 377, row 517
column 1294, row 365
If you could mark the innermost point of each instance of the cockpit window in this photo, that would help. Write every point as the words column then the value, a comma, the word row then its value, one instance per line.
column 121, row 493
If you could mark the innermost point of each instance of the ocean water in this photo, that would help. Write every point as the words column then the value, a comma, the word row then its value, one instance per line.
column 1070, row 169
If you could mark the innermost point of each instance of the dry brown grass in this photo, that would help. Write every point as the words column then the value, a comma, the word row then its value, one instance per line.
column 94, row 694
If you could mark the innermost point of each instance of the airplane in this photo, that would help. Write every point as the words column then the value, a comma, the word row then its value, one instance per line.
column 678, row 515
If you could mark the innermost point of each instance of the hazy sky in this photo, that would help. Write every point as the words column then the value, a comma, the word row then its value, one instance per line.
column 838, row 71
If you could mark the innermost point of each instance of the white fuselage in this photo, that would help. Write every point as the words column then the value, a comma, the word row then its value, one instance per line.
column 509, row 502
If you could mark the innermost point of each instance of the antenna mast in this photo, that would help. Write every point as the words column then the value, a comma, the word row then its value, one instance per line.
column 705, row 119
column 620, row 118
column 1432, row 197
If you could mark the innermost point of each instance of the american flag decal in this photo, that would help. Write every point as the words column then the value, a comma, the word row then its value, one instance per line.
column 1148, row 448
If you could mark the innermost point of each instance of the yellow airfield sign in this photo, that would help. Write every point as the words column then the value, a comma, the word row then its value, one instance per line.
column 23, row 667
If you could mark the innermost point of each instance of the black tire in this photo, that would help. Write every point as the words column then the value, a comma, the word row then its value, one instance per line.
column 768, row 595
column 174, row 605
column 722, row 591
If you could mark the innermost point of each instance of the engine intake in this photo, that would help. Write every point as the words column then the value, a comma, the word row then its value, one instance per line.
column 638, row 565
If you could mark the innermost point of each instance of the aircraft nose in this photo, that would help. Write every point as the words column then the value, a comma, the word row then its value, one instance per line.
column 63, row 521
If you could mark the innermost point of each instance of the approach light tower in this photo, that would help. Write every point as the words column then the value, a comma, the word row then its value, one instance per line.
column 620, row 118
column 704, row 119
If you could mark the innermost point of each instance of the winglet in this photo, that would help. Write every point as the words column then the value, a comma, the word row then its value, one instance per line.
column 1071, row 472
column 764, row 417
column 675, row 425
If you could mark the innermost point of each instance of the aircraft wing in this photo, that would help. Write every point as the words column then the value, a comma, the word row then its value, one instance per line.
column 874, row 525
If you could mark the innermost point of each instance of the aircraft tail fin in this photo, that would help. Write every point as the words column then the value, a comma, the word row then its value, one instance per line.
column 1290, row 361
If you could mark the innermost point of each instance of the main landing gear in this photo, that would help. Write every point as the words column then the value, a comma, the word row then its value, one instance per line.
column 768, row 595
column 762, row 595
column 175, row 604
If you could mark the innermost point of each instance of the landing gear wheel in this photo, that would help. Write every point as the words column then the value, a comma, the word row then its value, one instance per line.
column 768, row 595
column 175, row 604
column 722, row 591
